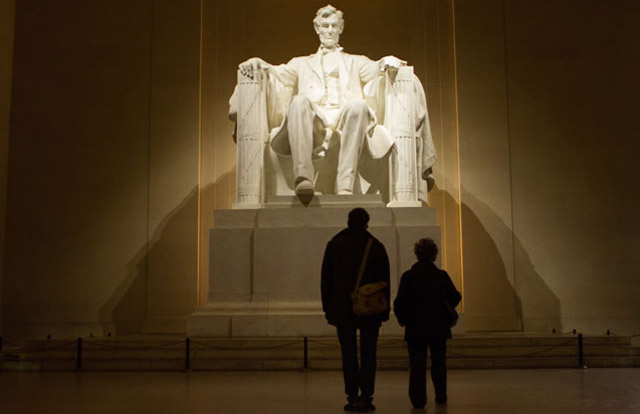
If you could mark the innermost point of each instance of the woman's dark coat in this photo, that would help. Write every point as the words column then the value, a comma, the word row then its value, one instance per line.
column 419, row 304
column 340, row 266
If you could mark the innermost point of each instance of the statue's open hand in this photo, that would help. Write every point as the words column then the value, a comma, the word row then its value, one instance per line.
column 249, row 67
column 391, row 62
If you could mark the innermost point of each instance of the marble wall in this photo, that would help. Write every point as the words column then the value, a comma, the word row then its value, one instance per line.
column 572, row 74
column 546, row 100
column 102, row 212
column 120, row 150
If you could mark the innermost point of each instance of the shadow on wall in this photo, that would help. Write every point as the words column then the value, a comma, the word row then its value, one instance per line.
column 493, row 302
column 128, row 311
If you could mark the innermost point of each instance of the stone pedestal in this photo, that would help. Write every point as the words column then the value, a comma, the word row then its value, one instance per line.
column 265, row 263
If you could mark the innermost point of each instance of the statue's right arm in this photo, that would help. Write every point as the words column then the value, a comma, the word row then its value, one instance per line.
column 249, row 67
column 285, row 73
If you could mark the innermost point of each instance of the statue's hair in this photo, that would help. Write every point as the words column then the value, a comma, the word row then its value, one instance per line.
column 325, row 12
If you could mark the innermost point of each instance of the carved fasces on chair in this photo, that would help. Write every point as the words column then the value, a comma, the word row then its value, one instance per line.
column 401, row 122
column 252, row 132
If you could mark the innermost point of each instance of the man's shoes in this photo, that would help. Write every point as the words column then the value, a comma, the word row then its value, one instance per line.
column 351, row 406
column 366, row 407
column 441, row 400
column 304, row 188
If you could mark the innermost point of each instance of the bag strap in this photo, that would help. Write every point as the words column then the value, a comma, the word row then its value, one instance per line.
column 363, row 264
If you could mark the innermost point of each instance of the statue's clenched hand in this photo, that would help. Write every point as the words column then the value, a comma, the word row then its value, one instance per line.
column 249, row 67
column 391, row 62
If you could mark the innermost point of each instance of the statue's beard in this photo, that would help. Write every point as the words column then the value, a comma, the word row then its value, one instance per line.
column 329, row 41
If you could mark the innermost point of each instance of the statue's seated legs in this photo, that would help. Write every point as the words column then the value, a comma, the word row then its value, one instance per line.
column 304, row 136
column 300, row 120
column 323, row 151
column 353, row 126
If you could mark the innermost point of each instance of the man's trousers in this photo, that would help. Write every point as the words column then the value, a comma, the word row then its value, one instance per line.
column 361, row 377
column 418, row 370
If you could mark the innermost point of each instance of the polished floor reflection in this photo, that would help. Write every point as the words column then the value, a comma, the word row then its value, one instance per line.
column 615, row 391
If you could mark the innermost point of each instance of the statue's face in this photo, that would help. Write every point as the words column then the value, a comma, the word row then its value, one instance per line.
column 329, row 31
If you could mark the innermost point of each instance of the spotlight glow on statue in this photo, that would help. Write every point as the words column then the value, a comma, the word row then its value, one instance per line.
column 364, row 110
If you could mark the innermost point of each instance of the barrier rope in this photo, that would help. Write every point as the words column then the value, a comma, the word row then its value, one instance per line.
column 51, row 348
column 381, row 345
column 623, row 336
column 324, row 344
column 540, row 351
column 4, row 341
column 306, row 341
column 628, row 347
column 132, row 348
column 390, row 344
column 226, row 348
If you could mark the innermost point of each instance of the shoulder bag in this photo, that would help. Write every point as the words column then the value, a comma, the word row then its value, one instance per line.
column 369, row 299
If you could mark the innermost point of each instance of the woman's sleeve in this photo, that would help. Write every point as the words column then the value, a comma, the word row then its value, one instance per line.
column 401, row 303
column 452, row 296
column 326, row 279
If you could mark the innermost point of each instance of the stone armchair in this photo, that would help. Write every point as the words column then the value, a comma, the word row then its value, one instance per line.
column 400, row 171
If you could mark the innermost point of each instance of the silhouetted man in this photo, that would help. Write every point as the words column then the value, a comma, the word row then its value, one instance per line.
column 340, row 265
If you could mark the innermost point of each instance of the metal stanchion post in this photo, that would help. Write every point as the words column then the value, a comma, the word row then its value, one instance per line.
column 187, row 356
column 581, row 352
column 79, row 355
column 306, row 353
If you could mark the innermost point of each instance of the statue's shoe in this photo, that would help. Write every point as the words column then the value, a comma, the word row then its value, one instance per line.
column 304, row 188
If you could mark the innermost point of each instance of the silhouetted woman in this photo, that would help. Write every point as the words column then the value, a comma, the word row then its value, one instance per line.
column 420, row 308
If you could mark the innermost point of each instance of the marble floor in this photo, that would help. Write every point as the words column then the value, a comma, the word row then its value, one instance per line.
column 615, row 391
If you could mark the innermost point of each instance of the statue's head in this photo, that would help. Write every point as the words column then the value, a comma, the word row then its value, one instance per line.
column 329, row 25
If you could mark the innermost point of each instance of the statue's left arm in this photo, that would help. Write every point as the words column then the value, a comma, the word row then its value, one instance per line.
column 428, row 155
column 372, row 69
column 374, row 93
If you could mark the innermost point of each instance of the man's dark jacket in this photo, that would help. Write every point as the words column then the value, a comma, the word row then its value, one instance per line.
column 340, row 266
column 419, row 304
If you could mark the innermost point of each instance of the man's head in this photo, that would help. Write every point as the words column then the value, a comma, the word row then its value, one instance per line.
column 358, row 219
column 329, row 25
column 426, row 250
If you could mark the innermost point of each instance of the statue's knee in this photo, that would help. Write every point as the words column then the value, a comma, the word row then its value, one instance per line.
column 299, row 102
column 357, row 106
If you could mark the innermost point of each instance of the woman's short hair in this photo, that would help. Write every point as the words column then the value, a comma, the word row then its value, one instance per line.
column 426, row 250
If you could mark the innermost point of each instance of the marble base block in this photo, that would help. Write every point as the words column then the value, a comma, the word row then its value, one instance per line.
column 265, row 265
